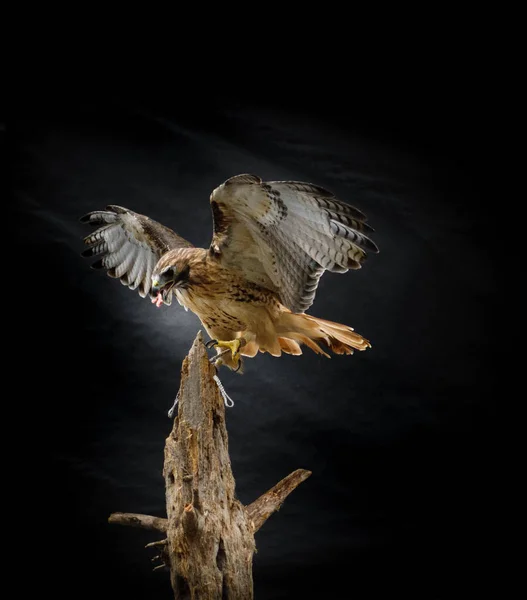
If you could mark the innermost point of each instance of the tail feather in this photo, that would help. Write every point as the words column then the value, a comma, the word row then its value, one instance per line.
column 343, row 334
column 310, row 331
column 289, row 346
column 250, row 349
column 310, row 343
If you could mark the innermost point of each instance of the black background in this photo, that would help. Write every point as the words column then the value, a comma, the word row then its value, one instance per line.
column 398, row 438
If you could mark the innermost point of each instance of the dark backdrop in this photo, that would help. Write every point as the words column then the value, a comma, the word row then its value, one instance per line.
column 397, row 437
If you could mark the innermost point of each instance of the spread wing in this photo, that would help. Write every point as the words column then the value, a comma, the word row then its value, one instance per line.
column 283, row 235
column 130, row 245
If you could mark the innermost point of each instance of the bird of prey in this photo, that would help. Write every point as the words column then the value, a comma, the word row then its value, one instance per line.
column 271, row 243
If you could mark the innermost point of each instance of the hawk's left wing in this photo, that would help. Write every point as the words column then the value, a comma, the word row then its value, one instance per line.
column 129, row 244
column 284, row 234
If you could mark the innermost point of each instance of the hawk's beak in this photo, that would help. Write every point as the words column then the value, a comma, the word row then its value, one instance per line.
column 164, row 290
column 154, row 290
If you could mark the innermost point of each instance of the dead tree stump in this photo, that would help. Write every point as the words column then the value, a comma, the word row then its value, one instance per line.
column 209, row 543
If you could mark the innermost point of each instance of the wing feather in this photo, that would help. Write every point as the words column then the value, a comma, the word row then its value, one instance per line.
column 127, row 260
column 285, row 234
column 130, row 245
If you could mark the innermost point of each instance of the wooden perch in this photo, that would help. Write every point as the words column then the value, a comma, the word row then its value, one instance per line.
column 209, row 543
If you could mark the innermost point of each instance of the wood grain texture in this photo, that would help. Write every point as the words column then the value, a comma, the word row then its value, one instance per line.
column 209, row 542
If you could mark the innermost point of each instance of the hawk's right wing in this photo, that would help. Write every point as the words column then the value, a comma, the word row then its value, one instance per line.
column 283, row 235
column 130, row 245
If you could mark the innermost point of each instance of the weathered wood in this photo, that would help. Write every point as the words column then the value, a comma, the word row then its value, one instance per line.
column 135, row 520
column 210, row 538
column 262, row 508
column 209, row 542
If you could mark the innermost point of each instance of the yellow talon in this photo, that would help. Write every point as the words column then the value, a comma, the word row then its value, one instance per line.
column 234, row 347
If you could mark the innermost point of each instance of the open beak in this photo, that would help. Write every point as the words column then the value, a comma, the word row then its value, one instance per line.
column 162, row 295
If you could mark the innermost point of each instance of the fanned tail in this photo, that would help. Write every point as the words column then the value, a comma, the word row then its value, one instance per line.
column 310, row 331
column 292, row 330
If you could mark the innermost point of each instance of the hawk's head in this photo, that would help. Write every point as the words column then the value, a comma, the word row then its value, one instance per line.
column 164, row 281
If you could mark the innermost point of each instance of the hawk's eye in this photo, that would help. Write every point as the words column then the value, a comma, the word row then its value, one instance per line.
column 165, row 277
column 169, row 274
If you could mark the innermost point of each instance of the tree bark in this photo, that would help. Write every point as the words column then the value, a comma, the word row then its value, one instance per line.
column 210, row 535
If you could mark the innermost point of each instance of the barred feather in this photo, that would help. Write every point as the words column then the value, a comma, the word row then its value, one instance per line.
column 299, row 229
column 130, row 245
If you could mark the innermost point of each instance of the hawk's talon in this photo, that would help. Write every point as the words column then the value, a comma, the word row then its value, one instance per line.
column 216, row 360
column 232, row 346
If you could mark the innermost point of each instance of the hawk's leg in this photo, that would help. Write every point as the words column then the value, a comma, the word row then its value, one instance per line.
column 232, row 346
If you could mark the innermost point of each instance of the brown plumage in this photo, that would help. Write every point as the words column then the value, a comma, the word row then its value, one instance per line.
column 271, row 243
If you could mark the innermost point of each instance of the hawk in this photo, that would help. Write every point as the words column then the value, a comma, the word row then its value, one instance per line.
column 271, row 243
